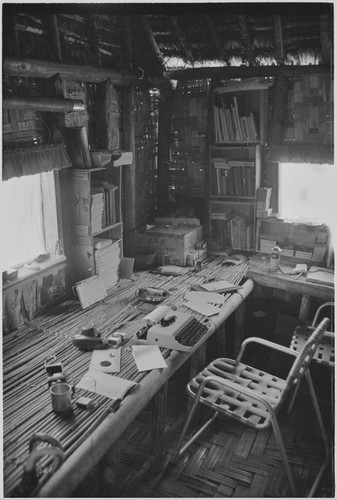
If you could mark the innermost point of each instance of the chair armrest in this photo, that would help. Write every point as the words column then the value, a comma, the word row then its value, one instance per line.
column 266, row 343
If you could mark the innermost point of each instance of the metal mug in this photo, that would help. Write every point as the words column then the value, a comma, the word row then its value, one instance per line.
column 61, row 397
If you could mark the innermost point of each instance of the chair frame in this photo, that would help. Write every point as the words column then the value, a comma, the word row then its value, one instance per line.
column 298, row 370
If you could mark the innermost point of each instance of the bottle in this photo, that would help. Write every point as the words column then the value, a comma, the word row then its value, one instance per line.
column 275, row 258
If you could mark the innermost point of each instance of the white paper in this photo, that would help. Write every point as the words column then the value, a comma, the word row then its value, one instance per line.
column 105, row 384
column 202, row 307
column 222, row 286
column 100, row 358
column 148, row 357
column 208, row 297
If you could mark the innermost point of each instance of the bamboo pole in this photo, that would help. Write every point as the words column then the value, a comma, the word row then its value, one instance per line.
column 51, row 104
column 36, row 68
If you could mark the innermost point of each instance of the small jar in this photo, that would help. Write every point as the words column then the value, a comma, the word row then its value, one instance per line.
column 275, row 258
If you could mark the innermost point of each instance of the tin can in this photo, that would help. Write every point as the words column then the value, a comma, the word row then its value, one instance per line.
column 275, row 258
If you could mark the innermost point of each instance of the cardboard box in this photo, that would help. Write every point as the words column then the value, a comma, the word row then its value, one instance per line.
column 169, row 243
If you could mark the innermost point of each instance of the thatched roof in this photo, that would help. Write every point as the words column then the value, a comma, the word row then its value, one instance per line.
column 169, row 36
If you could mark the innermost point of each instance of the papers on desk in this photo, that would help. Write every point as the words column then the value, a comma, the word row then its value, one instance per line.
column 148, row 357
column 220, row 286
column 206, row 303
column 107, row 385
column 321, row 275
column 106, row 361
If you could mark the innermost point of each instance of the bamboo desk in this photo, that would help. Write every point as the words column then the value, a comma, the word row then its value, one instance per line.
column 98, row 438
column 259, row 273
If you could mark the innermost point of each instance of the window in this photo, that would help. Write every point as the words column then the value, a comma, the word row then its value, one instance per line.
column 307, row 193
column 28, row 215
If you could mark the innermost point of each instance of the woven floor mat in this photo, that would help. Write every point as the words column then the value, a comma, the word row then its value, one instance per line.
column 228, row 460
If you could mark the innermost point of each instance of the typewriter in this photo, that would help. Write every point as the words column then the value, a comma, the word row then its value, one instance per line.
column 176, row 330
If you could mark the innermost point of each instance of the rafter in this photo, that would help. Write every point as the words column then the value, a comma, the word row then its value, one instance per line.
column 147, row 28
column 246, row 42
column 216, row 40
column 182, row 39
column 278, row 38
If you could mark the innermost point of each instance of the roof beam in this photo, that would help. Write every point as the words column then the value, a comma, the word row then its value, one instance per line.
column 147, row 28
column 246, row 39
column 182, row 39
column 278, row 38
column 245, row 72
column 216, row 40
column 36, row 68
column 325, row 36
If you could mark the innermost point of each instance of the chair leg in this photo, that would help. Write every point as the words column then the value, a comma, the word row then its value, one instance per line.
column 181, row 449
column 281, row 447
column 322, row 429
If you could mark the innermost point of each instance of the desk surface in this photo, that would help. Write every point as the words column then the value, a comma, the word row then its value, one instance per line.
column 87, row 435
column 260, row 273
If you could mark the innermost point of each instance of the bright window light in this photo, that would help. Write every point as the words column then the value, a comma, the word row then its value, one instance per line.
column 28, row 218
column 307, row 193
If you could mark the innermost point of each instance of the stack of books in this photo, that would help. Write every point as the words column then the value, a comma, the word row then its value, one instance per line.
column 266, row 246
column 229, row 126
column 107, row 260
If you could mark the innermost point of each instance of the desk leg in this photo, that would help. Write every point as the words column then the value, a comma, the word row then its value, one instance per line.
column 305, row 307
column 157, row 428
column 240, row 313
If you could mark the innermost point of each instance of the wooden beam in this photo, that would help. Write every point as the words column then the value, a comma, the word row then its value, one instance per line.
column 129, row 144
column 245, row 72
column 182, row 39
column 54, row 36
column 147, row 28
column 94, row 38
column 246, row 39
column 216, row 40
column 52, row 104
column 278, row 38
column 36, row 68
column 325, row 35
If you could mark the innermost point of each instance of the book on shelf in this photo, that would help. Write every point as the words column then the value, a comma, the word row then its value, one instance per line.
column 230, row 126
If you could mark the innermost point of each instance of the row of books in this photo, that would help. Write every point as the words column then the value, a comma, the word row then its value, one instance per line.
column 104, row 206
column 107, row 260
column 236, row 233
column 233, row 178
column 229, row 126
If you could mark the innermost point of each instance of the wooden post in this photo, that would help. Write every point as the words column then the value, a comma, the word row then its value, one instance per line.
column 165, row 119
column 107, row 117
column 129, row 171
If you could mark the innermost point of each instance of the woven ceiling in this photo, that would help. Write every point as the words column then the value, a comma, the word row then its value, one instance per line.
column 170, row 36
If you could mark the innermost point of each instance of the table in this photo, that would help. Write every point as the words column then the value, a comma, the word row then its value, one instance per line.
column 259, row 273
column 87, row 437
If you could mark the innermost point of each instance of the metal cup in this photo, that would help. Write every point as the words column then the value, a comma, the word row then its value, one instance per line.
column 61, row 397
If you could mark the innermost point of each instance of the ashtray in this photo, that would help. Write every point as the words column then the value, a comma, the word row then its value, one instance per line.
column 152, row 294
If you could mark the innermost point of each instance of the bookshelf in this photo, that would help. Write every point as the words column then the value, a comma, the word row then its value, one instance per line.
column 97, row 227
column 238, row 127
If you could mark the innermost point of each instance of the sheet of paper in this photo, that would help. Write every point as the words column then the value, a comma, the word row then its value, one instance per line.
column 106, row 361
column 220, row 286
column 202, row 307
column 105, row 384
column 208, row 297
column 148, row 357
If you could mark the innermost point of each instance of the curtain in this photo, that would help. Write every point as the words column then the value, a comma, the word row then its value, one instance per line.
column 35, row 160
